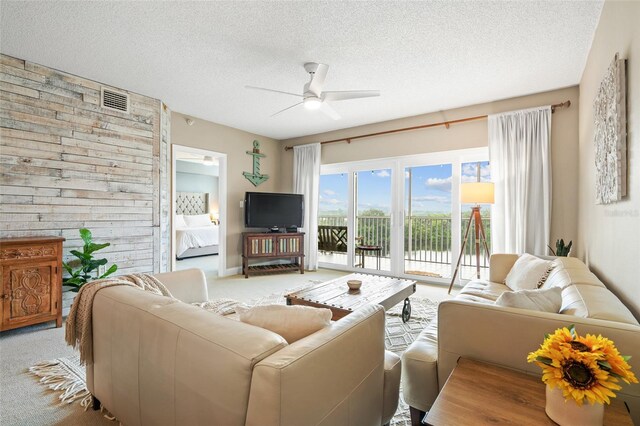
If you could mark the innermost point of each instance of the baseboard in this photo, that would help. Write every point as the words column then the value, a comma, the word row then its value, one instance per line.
column 232, row 271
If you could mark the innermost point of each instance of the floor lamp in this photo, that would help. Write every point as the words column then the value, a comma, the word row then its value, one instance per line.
column 474, row 193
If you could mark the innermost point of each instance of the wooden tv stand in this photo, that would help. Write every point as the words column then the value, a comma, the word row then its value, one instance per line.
column 269, row 246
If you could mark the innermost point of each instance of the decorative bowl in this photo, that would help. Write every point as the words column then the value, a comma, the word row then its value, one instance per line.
column 354, row 284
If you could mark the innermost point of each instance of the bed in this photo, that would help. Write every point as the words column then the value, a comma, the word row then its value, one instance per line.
column 196, row 235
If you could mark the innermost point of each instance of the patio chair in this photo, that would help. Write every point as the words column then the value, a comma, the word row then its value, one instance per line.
column 332, row 238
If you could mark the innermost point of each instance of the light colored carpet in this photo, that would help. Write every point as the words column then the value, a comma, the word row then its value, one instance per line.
column 22, row 400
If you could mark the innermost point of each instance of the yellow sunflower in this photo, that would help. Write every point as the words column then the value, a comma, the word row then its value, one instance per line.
column 584, row 368
column 617, row 363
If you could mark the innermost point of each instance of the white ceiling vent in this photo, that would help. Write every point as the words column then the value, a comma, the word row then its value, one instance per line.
column 117, row 101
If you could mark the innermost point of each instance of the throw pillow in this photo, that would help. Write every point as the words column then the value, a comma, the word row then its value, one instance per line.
column 195, row 220
column 180, row 223
column 547, row 300
column 528, row 273
column 291, row 322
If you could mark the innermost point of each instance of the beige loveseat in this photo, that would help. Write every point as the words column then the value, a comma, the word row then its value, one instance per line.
column 159, row 361
column 472, row 326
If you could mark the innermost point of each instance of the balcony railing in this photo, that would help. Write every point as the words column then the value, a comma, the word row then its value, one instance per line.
column 427, row 238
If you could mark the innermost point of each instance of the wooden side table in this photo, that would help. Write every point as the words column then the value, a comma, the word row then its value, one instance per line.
column 364, row 249
column 478, row 393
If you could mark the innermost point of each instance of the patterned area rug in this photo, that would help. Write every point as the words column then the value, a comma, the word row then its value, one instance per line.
column 399, row 335
column 65, row 375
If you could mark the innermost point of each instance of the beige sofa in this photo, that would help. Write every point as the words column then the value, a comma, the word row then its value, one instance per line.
column 158, row 361
column 472, row 326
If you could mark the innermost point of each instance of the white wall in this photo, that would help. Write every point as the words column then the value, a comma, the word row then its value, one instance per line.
column 609, row 235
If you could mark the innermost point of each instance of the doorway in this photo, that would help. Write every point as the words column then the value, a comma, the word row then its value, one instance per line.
column 199, row 210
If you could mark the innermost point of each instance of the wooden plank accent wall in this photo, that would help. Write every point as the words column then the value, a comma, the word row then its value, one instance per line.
column 68, row 163
column 165, row 185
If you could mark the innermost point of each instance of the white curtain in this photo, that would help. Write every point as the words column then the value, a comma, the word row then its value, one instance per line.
column 306, row 181
column 519, row 150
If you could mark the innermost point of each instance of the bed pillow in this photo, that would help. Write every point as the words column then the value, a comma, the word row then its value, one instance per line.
column 195, row 220
column 547, row 300
column 180, row 223
column 528, row 273
column 291, row 322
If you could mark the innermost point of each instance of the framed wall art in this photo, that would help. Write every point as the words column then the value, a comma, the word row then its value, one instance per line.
column 610, row 134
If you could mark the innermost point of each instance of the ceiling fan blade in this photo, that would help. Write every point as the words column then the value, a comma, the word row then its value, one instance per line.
column 349, row 94
column 317, row 81
column 283, row 110
column 272, row 90
column 328, row 110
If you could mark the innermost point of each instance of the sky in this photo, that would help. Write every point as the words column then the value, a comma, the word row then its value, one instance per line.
column 333, row 193
column 430, row 188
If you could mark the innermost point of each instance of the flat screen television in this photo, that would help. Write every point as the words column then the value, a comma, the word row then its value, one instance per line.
column 273, row 210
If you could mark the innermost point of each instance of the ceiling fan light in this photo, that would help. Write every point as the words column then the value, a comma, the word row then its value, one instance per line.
column 312, row 102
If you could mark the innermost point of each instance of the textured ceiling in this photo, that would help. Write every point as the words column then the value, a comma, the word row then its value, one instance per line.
column 198, row 56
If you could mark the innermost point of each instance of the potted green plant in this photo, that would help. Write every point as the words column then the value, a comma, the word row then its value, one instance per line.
column 561, row 248
column 81, row 270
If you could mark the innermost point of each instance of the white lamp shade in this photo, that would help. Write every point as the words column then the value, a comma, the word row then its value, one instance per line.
column 476, row 192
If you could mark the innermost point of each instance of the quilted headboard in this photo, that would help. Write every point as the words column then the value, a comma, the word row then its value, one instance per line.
column 192, row 202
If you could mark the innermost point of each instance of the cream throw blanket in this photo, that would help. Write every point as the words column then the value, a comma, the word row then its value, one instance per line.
column 78, row 332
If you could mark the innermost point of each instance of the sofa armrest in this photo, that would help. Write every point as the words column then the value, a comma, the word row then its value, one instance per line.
column 391, row 393
column 420, row 369
column 505, row 336
column 189, row 285
column 333, row 376
column 500, row 265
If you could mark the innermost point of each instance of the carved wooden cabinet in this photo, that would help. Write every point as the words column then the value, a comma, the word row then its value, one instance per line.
column 31, row 286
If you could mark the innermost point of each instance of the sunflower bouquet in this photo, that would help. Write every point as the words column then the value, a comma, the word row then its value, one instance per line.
column 586, row 368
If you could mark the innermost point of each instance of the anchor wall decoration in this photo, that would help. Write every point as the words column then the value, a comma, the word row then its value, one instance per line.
column 256, row 178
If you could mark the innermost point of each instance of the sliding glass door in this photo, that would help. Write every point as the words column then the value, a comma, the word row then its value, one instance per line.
column 427, row 221
column 332, row 219
column 373, row 206
column 399, row 216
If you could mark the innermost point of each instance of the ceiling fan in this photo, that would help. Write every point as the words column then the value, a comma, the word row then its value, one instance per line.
column 313, row 97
